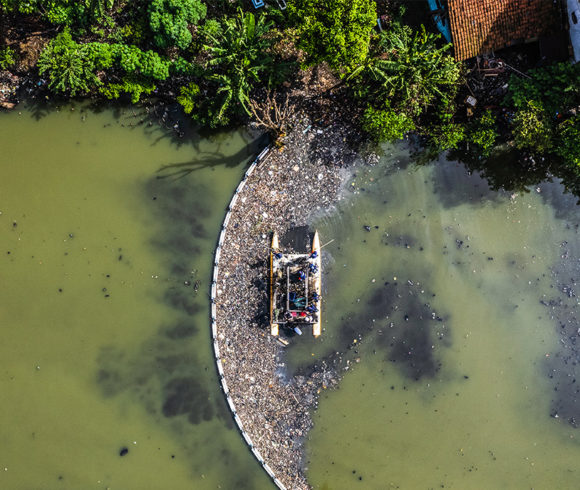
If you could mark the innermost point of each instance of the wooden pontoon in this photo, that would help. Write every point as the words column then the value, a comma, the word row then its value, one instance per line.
column 295, row 288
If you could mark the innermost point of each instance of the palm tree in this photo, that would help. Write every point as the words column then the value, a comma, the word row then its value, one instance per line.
column 408, row 69
column 239, row 57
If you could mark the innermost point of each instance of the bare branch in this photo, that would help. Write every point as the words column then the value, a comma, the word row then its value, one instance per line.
column 271, row 115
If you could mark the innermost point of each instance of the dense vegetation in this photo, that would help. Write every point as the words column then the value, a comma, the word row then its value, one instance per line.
column 218, row 60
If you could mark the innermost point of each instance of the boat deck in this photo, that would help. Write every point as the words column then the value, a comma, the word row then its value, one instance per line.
column 295, row 288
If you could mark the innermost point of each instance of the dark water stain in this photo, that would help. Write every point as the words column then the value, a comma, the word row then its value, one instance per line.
column 455, row 185
column 167, row 359
column 180, row 330
column 561, row 306
column 182, row 299
column 393, row 238
column 398, row 322
column 163, row 373
column 411, row 330
column 160, row 361
column 186, row 396
column 181, row 208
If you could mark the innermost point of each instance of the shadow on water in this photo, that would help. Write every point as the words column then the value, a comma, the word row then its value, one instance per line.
column 168, row 359
column 171, row 374
column 456, row 184
column 213, row 159
column 160, row 121
column 399, row 323
column 506, row 169
column 411, row 331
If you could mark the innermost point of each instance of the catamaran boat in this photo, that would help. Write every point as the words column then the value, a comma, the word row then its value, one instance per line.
column 295, row 288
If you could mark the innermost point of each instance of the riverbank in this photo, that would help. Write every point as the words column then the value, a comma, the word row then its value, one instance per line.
column 285, row 190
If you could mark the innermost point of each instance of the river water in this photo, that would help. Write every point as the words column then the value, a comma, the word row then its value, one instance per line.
column 449, row 308
column 108, row 378
column 455, row 309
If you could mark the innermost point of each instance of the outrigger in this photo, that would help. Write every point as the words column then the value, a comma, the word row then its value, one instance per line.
column 295, row 288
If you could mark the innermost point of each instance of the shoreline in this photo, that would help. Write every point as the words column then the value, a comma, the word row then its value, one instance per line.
column 281, row 190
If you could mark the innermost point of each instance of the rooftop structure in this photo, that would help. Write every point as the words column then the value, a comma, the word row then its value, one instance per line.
column 482, row 26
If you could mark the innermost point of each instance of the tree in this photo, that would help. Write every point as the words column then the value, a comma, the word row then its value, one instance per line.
column 445, row 136
column 482, row 133
column 568, row 143
column 532, row 129
column 97, row 9
column 132, row 85
column 272, row 116
column 555, row 87
column 385, row 124
column 408, row 69
column 239, row 56
column 408, row 81
column 70, row 70
column 188, row 97
column 335, row 31
column 71, row 13
column 7, row 57
column 169, row 21
column 112, row 69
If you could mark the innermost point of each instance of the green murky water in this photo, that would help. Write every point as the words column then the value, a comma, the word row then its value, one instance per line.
column 461, row 300
column 105, row 344
column 450, row 382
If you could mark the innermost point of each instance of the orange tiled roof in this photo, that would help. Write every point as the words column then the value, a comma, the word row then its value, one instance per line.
column 481, row 26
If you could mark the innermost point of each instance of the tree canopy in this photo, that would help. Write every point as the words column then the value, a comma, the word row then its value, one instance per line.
column 169, row 21
column 218, row 60
column 406, row 73
column 239, row 59
column 335, row 31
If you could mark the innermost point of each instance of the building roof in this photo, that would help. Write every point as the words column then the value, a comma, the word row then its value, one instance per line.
column 481, row 26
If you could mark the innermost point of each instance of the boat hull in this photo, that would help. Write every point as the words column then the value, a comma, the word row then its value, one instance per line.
column 295, row 288
column 317, row 326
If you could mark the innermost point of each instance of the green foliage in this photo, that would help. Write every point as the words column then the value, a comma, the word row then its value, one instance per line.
column 101, row 55
column 7, row 57
column 70, row 13
column 568, row 143
column 181, row 67
column 335, row 31
column 532, row 129
column 386, row 124
column 239, row 57
column 409, row 69
column 169, row 20
column 188, row 97
column 131, row 85
column 405, row 75
column 554, row 86
column 446, row 136
column 72, row 68
column 482, row 133
column 71, row 71
column 147, row 63
column 211, row 29
column 10, row 6
column 540, row 102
